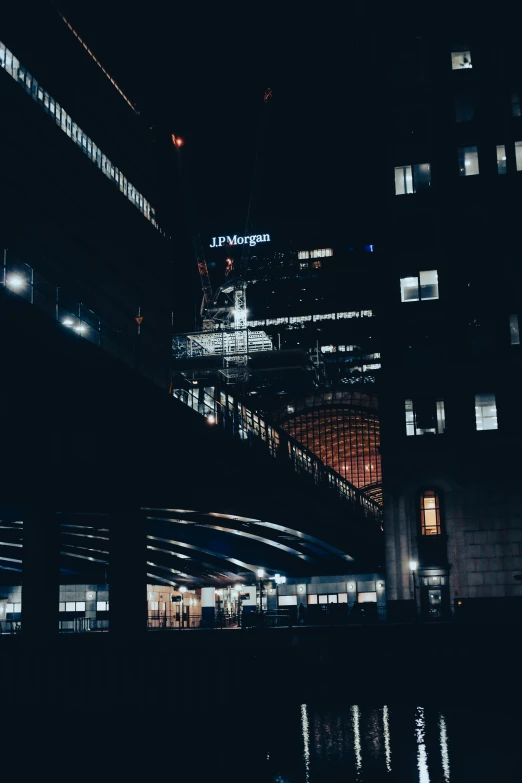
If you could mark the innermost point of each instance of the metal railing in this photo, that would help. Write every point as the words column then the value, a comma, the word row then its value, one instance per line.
column 82, row 625
column 121, row 343
column 251, row 427
column 188, row 621
column 10, row 627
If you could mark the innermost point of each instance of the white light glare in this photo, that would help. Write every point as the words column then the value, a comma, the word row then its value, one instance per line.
column 80, row 328
column 413, row 565
column 182, row 589
column 211, row 419
column 15, row 282
column 68, row 321
column 260, row 572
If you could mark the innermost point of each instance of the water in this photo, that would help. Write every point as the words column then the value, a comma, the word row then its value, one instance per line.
column 300, row 743
column 395, row 743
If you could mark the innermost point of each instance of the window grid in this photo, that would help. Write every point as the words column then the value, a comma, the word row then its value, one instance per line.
column 346, row 439
column 424, row 286
column 430, row 513
column 485, row 412
column 412, row 179
column 12, row 66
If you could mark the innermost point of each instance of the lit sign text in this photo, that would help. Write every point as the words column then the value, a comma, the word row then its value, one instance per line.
column 235, row 240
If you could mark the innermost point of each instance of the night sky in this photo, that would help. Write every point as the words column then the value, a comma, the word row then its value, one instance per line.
column 200, row 72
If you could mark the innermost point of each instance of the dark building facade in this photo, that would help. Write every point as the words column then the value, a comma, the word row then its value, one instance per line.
column 450, row 309
column 80, row 236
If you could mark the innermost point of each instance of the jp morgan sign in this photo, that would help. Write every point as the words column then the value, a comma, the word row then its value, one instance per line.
column 252, row 240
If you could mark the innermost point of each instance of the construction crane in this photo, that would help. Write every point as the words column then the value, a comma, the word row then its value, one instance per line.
column 196, row 238
column 227, row 307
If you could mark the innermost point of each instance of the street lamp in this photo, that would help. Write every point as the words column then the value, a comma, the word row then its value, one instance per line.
column 413, row 568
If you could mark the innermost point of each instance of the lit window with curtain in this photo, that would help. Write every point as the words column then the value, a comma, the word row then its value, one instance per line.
column 412, row 179
column 514, row 330
column 460, row 60
column 430, row 513
column 425, row 417
column 403, row 180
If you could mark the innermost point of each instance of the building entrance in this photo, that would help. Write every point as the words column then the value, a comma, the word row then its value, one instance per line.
column 434, row 597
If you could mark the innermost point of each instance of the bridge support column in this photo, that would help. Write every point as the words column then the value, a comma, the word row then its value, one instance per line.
column 127, row 574
column 40, row 575
column 208, row 606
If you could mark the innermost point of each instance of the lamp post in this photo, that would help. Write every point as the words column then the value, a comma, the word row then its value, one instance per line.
column 413, row 568
column 260, row 575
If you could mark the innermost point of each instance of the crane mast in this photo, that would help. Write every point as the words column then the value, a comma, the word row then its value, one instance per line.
column 196, row 239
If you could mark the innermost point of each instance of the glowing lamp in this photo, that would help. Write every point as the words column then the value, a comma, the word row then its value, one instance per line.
column 15, row 282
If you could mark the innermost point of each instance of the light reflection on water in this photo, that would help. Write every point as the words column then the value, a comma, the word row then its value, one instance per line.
column 395, row 743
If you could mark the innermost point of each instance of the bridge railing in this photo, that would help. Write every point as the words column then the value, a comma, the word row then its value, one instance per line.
column 221, row 409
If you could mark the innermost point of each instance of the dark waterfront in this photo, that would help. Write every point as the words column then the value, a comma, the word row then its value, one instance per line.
column 307, row 743
column 429, row 704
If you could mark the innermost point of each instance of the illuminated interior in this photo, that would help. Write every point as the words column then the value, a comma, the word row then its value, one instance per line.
column 346, row 438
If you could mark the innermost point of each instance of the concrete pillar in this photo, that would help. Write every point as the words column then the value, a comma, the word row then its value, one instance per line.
column 127, row 573
column 40, row 575
column 248, row 605
column 208, row 606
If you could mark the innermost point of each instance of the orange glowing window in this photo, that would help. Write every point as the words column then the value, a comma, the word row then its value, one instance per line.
column 430, row 513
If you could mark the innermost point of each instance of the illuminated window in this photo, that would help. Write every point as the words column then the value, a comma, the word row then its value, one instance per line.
column 342, row 598
column 425, row 417
column 430, row 513
column 514, row 331
column 61, row 606
column 429, row 287
column 80, row 606
column 64, row 121
column 154, row 606
column 317, row 264
column 312, row 599
column 468, row 161
column 485, row 412
column 518, row 155
column 70, row 606
column 102, row 606
column 323, row 599
column 412, row 179
column 409, row 289
column 303, row 265
column 460, row 60
column 501, row 159
column 332, row 599
column 287, row 600
column 320, row 253
column 367, row 598
column 403, row 180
